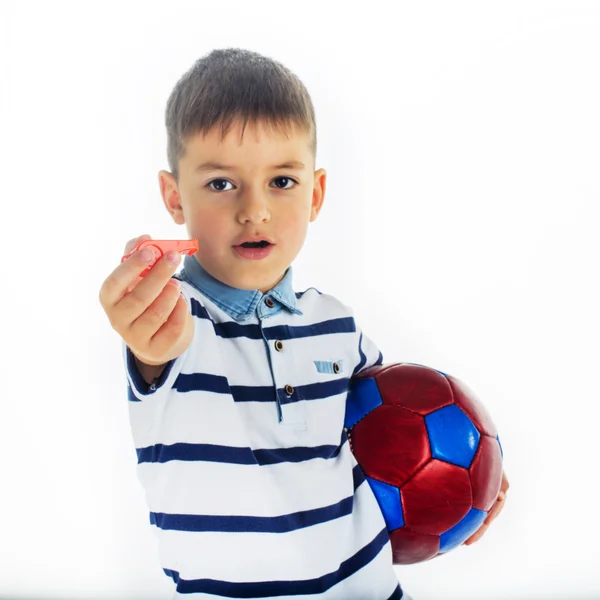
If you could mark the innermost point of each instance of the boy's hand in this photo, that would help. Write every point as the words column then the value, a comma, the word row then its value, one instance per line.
column 496, row 509
column 149, row 312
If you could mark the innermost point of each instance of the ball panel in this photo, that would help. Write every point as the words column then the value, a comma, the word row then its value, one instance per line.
column 426, row 367
column 410, row 547
column 486, row 473
column 452, row 436
column 416, row 388
column 388, row 497
column 466, row 398
column 391, row 444
column 425, row 498
column 374, row 370
column 464, row 529
column 363, row 397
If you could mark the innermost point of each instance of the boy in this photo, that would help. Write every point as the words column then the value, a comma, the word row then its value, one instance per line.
column 237, row 384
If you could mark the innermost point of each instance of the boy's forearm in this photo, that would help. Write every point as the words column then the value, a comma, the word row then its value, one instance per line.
column 149, row 372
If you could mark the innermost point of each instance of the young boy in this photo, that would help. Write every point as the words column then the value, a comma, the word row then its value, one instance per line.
column 237, row 383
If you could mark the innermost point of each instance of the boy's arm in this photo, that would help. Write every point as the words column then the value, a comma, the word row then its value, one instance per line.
column 154, row 381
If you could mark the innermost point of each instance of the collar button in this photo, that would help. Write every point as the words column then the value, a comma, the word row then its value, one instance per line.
column 269, row 302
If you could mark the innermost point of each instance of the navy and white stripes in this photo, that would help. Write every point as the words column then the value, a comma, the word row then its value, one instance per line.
column 241, row 450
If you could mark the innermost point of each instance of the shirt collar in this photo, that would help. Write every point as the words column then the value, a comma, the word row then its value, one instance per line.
column 237, row 303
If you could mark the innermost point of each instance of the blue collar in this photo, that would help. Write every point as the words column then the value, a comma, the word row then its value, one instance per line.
column 237, row 303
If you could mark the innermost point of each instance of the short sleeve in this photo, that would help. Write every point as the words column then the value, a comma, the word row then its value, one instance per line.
column 138, row 389
column 367, row 351
column 369, row 354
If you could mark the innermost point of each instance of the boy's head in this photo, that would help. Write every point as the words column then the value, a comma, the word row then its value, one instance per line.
column 241, row 136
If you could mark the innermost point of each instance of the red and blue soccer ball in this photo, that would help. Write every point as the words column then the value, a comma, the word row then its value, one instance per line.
column 430, row 452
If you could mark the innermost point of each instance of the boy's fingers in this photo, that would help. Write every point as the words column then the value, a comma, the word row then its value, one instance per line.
column 135, row 292
column 498, row 506
column 122, row 280
column 162, row 323
column 476, row 536
column 131, row 244
column 494, row 512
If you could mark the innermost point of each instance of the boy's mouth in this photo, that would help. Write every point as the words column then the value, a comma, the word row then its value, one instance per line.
column 254, row 250
column 262, row 244
column 258, row 240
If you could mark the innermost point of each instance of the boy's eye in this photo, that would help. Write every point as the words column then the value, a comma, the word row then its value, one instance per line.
column 284, row 179
column 218, row 185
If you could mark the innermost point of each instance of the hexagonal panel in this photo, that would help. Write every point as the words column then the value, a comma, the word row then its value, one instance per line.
column 416, row 388
column 486, row 473
column 390, row 444
column 427, row 367
column 410, row 547
column 436, row 498
column 452, row 436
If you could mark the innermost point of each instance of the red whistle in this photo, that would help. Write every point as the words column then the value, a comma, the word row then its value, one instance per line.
column 161, row 247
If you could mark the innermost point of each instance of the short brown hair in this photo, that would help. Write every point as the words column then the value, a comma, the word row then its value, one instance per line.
column 234, row 83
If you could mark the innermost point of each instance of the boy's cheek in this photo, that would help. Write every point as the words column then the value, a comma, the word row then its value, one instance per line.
column 210, row 231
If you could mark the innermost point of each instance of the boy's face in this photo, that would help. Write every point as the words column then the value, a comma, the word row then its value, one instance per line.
column 248, row 196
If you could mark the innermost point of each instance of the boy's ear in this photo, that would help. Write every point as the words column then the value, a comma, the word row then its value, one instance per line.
column 318, row 193
column 170, row 195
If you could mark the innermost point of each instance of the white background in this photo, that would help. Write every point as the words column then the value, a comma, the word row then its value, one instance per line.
column 462, row 144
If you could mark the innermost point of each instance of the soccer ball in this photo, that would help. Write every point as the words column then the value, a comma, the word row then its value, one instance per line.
column 430, row 452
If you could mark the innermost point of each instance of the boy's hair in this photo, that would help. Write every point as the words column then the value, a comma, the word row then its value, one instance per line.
column 234, row 83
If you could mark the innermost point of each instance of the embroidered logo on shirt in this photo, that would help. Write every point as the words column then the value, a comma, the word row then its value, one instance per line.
column 328, row 366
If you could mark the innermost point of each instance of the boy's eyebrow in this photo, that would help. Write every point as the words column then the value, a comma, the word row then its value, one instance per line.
column 214, row 166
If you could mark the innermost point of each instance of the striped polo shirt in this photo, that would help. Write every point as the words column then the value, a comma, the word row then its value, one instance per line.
column 252, row 489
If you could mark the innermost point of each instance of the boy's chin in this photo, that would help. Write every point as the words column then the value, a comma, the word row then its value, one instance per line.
column 247, row 283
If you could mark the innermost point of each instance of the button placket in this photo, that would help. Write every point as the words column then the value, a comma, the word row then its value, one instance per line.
column 293, row 413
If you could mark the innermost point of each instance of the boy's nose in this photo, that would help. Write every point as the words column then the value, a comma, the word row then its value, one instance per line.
column 254, row 208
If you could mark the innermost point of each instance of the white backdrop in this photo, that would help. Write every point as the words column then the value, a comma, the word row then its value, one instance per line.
column 460, row 222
